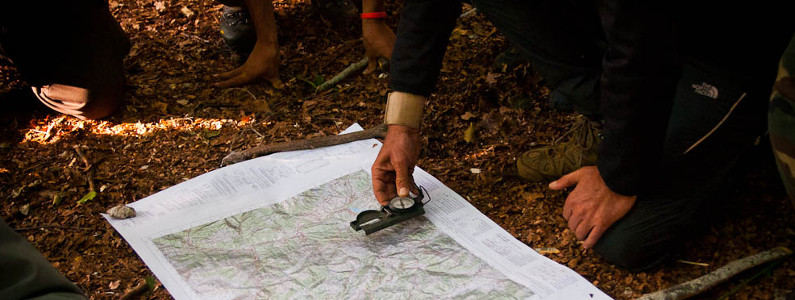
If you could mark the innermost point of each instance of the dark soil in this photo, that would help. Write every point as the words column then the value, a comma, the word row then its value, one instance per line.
column 175, row 126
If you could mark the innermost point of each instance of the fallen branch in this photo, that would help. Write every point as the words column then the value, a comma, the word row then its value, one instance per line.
column 766, row 271
column 354, row 67
column 323, row 141
column 703, row 283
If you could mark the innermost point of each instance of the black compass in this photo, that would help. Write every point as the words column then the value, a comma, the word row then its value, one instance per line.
column 398, row 209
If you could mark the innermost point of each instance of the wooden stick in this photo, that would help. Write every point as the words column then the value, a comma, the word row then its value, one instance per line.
column 703, row 283
column 354, row 67
column 323, row 141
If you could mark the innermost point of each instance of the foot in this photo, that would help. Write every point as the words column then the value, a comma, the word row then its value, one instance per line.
column 552, row 162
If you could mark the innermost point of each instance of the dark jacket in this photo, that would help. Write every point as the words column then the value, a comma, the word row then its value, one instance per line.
column 647, row 44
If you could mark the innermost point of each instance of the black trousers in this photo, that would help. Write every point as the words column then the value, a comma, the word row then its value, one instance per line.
column 70, row 52
column 26, row 274
column 715, row 117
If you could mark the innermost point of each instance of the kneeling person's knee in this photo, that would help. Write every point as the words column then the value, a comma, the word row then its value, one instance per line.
column 634, row 250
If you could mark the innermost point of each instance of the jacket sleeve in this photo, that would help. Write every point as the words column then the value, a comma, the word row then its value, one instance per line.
column 640, row 71
column 422, row 37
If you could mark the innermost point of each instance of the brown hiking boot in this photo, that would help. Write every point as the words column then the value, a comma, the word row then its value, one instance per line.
column 552, row 162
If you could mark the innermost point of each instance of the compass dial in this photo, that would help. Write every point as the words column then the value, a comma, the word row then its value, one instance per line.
column 401, row 203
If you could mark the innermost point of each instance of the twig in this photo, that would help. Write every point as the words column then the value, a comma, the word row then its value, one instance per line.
column 703, row 283
column 194, row 37
column 247, row 91
column 87, row 169
column 354, row 67
column 82, row 157
column 54, row 226
column 468, row 13
column 692, row 263
column 50, row 127
column 323, row 141
column 257, row 132
column 139, row 290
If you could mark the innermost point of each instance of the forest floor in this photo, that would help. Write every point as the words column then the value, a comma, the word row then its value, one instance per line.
column 175, row 125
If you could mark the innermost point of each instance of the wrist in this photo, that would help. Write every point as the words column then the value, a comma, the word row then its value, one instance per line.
column 376, row 15
column 402, row 129
column 404, row 109
column 373, row 21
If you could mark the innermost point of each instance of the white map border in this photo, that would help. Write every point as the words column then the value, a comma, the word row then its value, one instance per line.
column 231, row 190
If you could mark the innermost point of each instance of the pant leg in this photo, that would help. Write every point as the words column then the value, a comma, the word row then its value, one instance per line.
column 26, row 274
column 651, row 232
column 713, row 122
column 563, row 41
column 71, row 53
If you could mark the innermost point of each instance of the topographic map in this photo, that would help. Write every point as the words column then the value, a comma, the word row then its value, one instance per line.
column 304, row 247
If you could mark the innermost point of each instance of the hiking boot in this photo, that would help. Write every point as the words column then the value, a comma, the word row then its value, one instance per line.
column 238, row 30
column 552, row 162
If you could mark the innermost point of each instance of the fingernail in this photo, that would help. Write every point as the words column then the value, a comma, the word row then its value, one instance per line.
column 553, row 184
column 403, row 192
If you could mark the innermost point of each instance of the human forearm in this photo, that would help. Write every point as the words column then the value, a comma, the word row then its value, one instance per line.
column 423, row 34
column 378, row 37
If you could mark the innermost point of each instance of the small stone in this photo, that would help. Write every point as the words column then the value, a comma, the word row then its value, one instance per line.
column 121, row 211
column 25, row 209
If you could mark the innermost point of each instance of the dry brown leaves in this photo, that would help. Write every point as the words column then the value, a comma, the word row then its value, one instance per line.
column 176, row 126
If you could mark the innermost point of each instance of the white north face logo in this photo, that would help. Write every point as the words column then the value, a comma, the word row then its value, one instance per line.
column 706, row 89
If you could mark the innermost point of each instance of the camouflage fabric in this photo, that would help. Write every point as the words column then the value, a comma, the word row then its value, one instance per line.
column 781, row 120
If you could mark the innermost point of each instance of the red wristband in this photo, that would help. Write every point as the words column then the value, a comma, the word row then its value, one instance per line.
column 374, row 15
